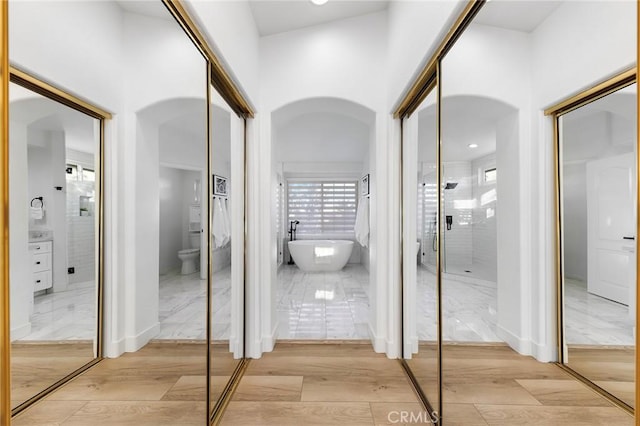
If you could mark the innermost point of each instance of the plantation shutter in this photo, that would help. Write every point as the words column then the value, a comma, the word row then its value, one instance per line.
column 322, row 207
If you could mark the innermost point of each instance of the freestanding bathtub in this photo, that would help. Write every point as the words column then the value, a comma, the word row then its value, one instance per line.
column 320, row 255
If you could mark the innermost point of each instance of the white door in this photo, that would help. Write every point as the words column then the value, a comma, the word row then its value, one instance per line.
column 611, row 228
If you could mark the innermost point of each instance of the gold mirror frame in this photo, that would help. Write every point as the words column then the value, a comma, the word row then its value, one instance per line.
column 572, row 103
column 5, row 341
column 58, row 95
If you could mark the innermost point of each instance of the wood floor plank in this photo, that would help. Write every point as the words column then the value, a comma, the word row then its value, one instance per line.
column 139, row 413
column 496, row 391
column 269, row 388
column 462, row 415
column 323, row 366
column 188, row 388
column 47, row 413
column 115, row 388
column 563, row 392
column 360, row 350
column 279, row 413
column 521, row 415
column 370, row 388
column 152, row 366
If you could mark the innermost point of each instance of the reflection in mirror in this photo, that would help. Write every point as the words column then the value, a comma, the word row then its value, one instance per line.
column 420, row 289
column 54, row 210
column 598, row 177
column 227, row 243
column 167, row 120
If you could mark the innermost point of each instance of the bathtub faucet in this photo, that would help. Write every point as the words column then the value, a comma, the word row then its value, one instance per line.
column 293, row 225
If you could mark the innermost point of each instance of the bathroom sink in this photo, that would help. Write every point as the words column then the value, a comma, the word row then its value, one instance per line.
column 40, row 235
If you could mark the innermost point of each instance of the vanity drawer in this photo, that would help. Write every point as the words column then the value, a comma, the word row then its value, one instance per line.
column 41, row 262
column 40, row 247
column 41, row 280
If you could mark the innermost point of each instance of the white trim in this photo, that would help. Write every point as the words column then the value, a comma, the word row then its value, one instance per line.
column 379, row 344
column 522, row 346
column 269, row 339
column 134, row 343
column 544, row 353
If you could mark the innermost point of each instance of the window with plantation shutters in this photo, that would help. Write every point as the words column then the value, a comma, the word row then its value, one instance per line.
column 322, row 207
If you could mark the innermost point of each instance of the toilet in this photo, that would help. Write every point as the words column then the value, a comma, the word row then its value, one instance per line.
column 190, row 256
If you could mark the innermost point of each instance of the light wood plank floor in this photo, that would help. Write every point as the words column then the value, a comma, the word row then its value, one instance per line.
column 164, row 383
column 349, row 384
column 322, row 384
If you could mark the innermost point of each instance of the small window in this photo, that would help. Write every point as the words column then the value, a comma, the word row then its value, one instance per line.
column 490, row 175
column 88, row 175
column 322, row 207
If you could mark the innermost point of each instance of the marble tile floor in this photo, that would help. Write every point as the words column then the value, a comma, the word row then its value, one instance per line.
column 594, row 320
column 470, row 313
column 71, row 314
column 183, row 306
column 323, row 305
column 64, row 315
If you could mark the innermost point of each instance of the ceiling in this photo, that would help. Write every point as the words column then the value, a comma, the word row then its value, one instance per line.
column 525, row 15
column 145, row 7
column 273, row 17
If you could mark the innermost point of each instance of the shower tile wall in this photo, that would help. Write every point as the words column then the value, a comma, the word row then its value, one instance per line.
column 458, row 202
column 484, row 220
column 80, row 233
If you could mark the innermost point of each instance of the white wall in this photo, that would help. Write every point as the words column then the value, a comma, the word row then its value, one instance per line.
column 343, row 59
column 20, row 272
column 172, row 183
column 415, row 29
column 574, row 187
column 484, row 217
column 59, row 42
column 231, row 31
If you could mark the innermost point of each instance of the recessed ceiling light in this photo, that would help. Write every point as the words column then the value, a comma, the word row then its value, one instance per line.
column 473, row 145
column 319, row 2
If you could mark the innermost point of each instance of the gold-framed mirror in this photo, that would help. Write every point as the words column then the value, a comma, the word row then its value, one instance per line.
column 56, row 210
column 596, row 151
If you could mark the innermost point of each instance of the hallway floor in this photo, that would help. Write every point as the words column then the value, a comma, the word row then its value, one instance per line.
column 349, row 384
column 321, row 384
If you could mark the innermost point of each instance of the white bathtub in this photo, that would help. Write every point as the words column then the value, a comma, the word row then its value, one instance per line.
column 320, row 255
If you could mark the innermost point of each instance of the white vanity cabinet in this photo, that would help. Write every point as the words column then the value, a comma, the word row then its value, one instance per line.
column 41, row 264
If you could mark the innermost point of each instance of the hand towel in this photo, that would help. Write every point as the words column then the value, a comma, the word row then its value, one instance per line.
column 227, row 222
column 37, row 213
column 361, row 227
column 218, row 229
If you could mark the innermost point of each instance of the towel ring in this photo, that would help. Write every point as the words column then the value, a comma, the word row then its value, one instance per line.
column 36, row 200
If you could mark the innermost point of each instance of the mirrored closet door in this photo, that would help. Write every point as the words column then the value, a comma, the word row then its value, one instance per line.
column 597, row 170
column 226, row 165
column 55, row 211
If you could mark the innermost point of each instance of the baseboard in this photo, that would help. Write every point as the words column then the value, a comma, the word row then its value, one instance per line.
column 378, row 343
column 411, row 347
column 114, row 349
column 544, row 353
column 269, row 340
column 20, row 331
column 522, row 346
column 134, row 343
